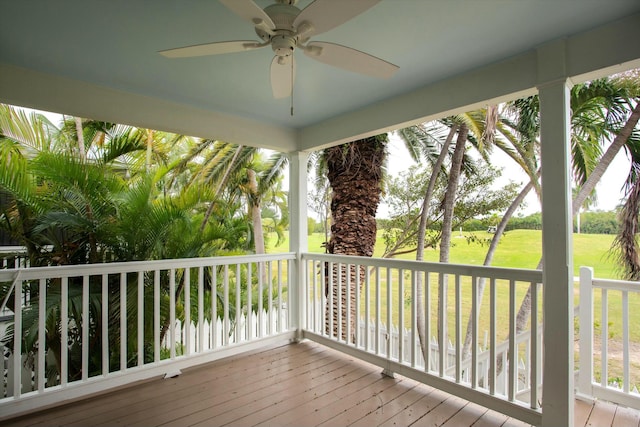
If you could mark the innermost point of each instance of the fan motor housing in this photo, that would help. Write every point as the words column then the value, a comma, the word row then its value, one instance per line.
column 283, row 45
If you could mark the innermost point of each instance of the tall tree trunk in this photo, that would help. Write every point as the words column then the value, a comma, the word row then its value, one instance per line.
column 422, row 229
column 254, row 212
column 626, row 240
column 466, row 351
column 93, row 243
column 355, row 172
column 447, row 222
column 80, row 135
column 618, row 142
column 149, row 149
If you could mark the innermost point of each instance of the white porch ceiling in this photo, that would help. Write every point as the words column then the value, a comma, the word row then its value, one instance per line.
column 99, row 59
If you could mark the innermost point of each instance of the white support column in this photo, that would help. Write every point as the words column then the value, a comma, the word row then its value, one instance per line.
column 297, row 235
column 558, row 391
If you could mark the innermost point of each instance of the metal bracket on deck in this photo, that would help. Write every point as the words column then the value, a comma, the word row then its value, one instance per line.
column 388, row 373
column 172, row 374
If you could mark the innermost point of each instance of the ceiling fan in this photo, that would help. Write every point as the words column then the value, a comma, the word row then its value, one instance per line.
column 285, row 28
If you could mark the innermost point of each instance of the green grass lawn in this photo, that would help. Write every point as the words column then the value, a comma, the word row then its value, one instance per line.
column 517, row 249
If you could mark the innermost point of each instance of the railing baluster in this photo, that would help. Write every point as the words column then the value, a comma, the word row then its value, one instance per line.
column 140, row 335
column 427, row 321
column 474, row 331
column 201, row 308
column 323, row 298
column 414, row 324
column 492, row 339
column 339, row 293
column 458, row 310
column 270, row 287
column 249, row 301
column 260, row 305
column 367, row 308
column 172, row 313
column 123, row 321
column 85, row 331
column 17, row 343
column 279, row 310
column 400, row 315
column 42, row 334
column 377, row 336
column 105, row 324
column 314, row 296
column 214, row 307
column 347, row 270
column 625, row 342
column 443, row 348
column 604, row 337
column 356, row 327
column 156, row 315
column 186, row 327
column 513, row 357
column 238, row 305
column 330, row 296
column 533, row 357
column 225, row 306
column 389, row 320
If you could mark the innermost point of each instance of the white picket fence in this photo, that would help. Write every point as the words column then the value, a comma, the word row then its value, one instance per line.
column 218, row 335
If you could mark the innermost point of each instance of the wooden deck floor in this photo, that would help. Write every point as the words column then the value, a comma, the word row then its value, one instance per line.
column 298, row 385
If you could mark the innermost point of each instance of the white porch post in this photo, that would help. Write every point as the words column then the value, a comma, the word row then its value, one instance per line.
column 554, row 91
column 297, row 235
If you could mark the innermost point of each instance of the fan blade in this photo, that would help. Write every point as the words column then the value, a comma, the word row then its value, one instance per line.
column 324, row 15
column 211, row 49
column 350, row 59
column 249, row 11
column 283, row 74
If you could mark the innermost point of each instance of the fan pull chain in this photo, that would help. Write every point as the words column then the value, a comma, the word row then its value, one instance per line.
column 292, row 86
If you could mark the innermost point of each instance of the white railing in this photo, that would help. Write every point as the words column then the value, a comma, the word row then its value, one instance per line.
column 615, row 375
column 90, row 327
column 13, row 257
column 380, row 292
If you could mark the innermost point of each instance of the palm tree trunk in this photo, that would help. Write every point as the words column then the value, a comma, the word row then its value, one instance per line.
column 355, row 172
column 424, row 215
column 447, row 222
column 80, row 135
column 254, row 212
column 466, row 351
column 626, row 240
column 149, row 149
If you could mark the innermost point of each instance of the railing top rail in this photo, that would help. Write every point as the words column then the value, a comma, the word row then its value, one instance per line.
column 33, row 273
column 618, row 285
column 519, row 274
column 13, row 250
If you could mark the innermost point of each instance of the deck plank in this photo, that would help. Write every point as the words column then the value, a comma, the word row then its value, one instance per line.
column 298, row 385
column 393, row 407
column 417, row 410
column 581, row 412
column 626, row 417
column 601, row 415
column 369, row 405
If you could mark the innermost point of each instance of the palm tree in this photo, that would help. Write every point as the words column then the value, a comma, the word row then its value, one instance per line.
column 355, row 172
